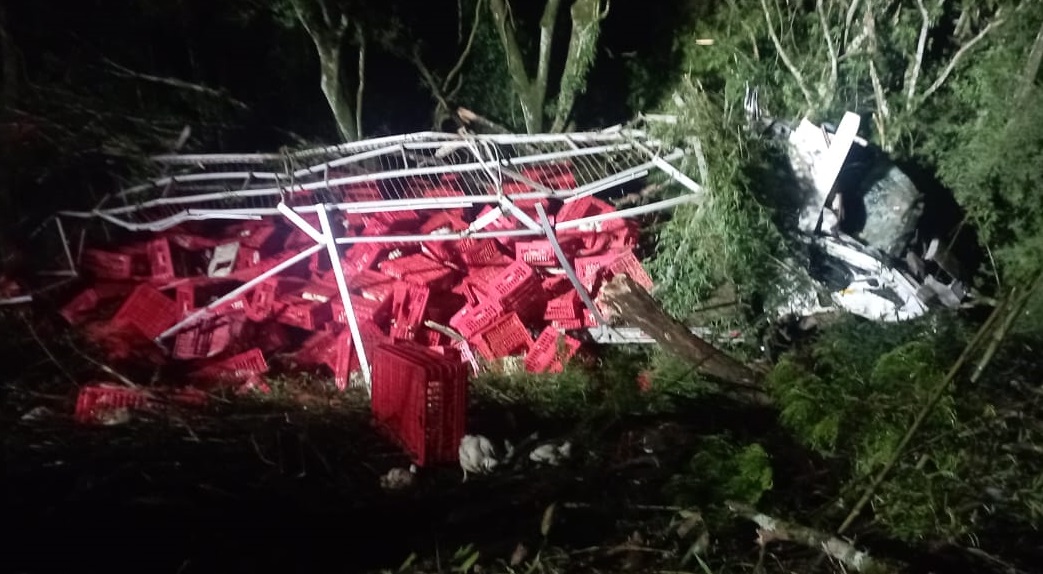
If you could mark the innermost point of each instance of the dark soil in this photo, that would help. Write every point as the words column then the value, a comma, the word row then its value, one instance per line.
column 266, row 487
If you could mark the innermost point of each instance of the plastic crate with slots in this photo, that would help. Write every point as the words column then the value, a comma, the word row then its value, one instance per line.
column 78, row 309
column 505, row 337
column 238, row 368
column 107, row 265
column 545, row 356
column 420, row 399
column 160, row 263
column 473, row 318
column 95, row 400
column 148, row 311
column 540, row 253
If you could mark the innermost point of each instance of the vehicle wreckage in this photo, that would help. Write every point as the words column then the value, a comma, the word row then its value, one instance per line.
column 861, row 220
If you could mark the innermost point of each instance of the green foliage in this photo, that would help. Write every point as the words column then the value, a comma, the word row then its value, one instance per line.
column 723, row 470
column 730, row 235
column 487, row 87
column 987, row 143
column 553, row 394
column 854, row 394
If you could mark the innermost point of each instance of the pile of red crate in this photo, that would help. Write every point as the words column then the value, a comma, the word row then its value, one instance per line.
column 505, row 297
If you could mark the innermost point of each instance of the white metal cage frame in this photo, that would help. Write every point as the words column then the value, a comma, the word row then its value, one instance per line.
column 482, row 169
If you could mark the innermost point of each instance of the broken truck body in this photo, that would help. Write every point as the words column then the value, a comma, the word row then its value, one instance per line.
column 860, row 221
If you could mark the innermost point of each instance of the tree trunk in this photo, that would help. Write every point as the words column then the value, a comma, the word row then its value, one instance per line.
column 586, row 27
column 338, row 99
column 635, row 306
column 327, row 30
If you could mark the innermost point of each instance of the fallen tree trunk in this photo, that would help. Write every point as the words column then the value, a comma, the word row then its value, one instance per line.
column 633, row 304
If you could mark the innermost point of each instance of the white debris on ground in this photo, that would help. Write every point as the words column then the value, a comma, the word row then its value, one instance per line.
column 399, row 478
column 551, row 453
column 38, row 413
column 477, row 455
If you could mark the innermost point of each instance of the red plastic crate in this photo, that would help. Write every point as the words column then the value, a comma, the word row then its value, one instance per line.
column 149, row 311
column 518, row 288
column 190, row 242
column 402, row 266
column 362, row 256
column 516, row 277
column 262, row 298
column 567, row 324
column 409, row 303
column 258, row 236
column 436, row 280
column 160, row 263
column 310, row 315
column 540, row 253
column 626, row 262
column 545, row 355
column 554, row 175
column 501, row 223
column 583, row 207
column 372, row 285
column 76, row 310
column 366, row 310
column 481, row 252
column 345, row 361
column 107, row 265
column 318, row 349
column 505, row 337
column 420, row 398
column 563, row 307
column 206, row 339
column 94, row 401
column 557, row 285
column 471, row 319
column 185, row 297
column 241, row 367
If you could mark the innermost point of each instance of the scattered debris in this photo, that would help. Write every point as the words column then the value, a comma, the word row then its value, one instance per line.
column 551, row 453
column 38, row 413
column 399, row 478
column 477, row 455
column 109, row 404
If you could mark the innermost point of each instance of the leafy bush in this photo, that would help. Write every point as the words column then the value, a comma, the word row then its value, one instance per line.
column 729, row 236
column 723, row 470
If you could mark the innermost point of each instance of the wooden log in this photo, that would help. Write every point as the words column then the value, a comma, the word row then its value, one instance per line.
column 630, row 302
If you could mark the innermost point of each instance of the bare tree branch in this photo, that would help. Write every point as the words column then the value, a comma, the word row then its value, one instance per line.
column 834, row 67
column 175, row 83
column 921, row 46
column 771, row 529
column 848, row 19
column 362, row 79
column 785, row 57
column 467, row 48
column 938, row 83
column 1031, row 71
column 547, row 21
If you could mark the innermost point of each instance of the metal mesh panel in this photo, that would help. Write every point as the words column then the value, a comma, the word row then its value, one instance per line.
column 423, row 171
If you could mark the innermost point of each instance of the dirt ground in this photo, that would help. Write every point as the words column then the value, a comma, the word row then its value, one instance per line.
column 294, row 486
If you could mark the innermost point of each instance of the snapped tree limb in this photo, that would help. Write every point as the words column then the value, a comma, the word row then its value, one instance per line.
column 772, row 529
column 633, row 304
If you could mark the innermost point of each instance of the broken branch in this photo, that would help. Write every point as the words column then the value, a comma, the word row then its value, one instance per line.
column 771, row 529
column 630, row 301
column 784, row 56
column 938, row 83
column 175, row 83
column 921, row 45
